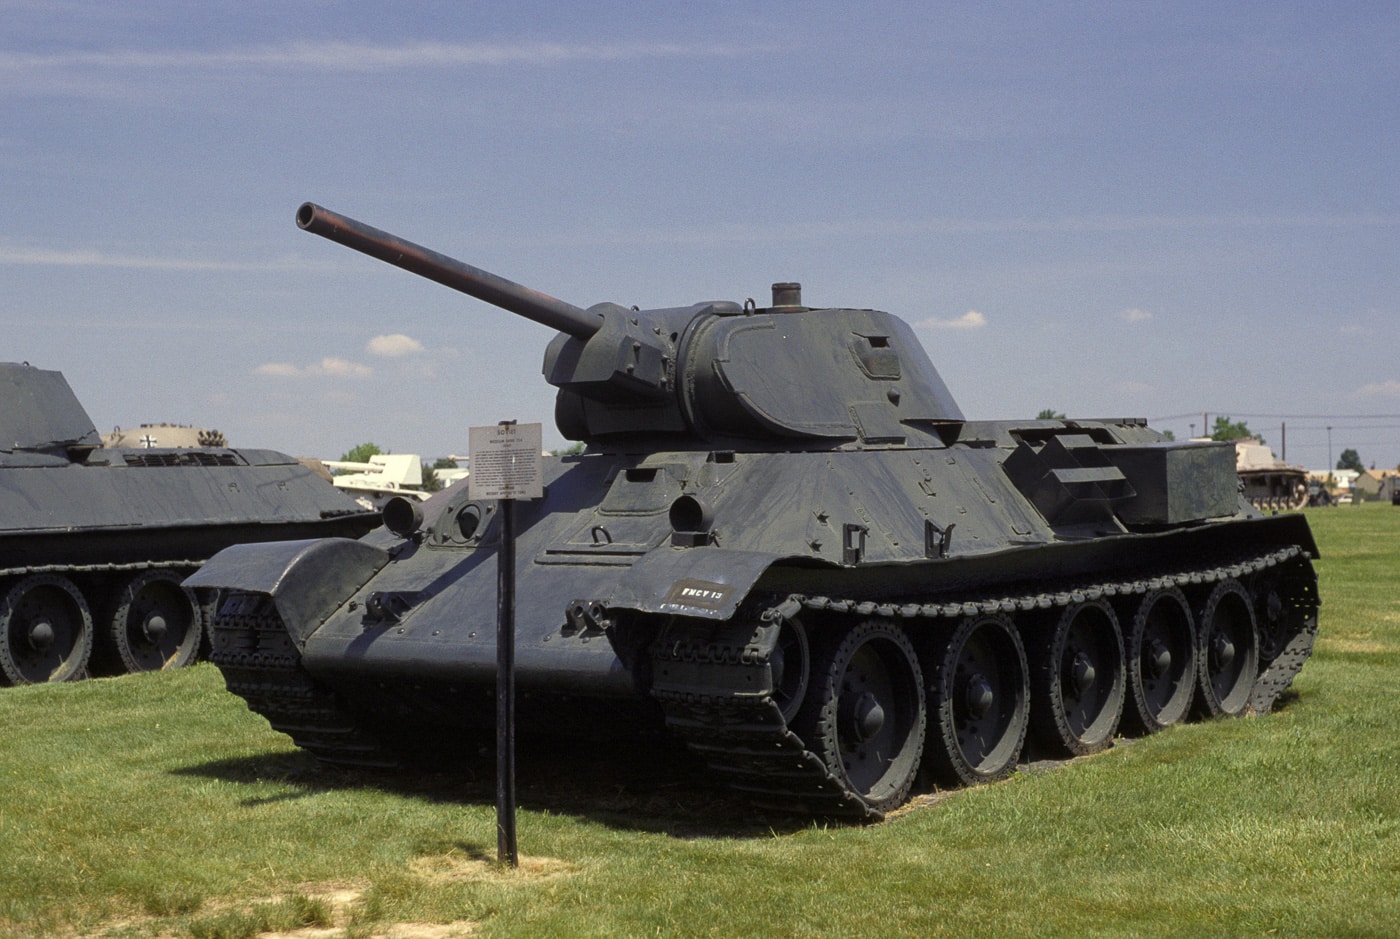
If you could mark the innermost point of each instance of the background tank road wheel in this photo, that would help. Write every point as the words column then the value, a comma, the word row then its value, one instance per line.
column 1161, row 660
column 45, row 631
column 865, row 715
column 1229, row 651
column 156, row 624
column 979, row 697
column 1078, row 682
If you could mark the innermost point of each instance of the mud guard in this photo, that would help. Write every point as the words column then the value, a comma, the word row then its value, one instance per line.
column 705, row 582
column 307, row 580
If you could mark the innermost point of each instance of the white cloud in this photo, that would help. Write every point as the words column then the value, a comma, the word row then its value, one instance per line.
column 1134, row 387
column 1135, row 315
column 341, row 368
column 367, row 57
column 393, row 345
column 83, row 257
column 1380, row 389
column 969, row 320
column 328, row 367
column 278, row 370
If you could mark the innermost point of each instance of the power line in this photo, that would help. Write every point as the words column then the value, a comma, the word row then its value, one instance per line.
column 1225, row 412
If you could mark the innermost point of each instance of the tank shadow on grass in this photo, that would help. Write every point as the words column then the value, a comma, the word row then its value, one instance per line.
column 652, row 784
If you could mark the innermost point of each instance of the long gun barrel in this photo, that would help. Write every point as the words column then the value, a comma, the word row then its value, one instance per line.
column 449, row 272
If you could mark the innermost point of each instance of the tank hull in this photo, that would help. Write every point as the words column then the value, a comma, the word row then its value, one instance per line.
column 644, row 582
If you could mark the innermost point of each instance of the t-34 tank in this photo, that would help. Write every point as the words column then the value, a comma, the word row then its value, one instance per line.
column 785, row 542
column 94, row 542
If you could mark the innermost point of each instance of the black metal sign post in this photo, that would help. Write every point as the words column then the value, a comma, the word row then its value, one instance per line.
column 506, row 850
column 505, row 465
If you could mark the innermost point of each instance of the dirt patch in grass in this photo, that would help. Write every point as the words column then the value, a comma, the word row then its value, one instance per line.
column 341, row 900
column 342, row 903
column 453, row 868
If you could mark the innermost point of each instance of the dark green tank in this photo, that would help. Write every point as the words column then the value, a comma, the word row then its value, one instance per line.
column 94, row 543
column 785, row 544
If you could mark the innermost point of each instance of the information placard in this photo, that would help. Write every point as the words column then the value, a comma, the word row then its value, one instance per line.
column 505, row 461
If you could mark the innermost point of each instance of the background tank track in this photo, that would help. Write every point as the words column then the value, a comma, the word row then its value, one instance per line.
column 743, row 736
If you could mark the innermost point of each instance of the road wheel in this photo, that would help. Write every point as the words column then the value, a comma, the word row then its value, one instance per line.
column 1078, row 684
column 865, row 714
column 979, row 697
column 156, row 623
column 1161, row 660
column 1229, row 651
column 45, row 631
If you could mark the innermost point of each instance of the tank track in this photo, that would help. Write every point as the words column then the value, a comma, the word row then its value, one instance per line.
column 705, row 676
column 260, row 664
column 130, row 566
column 705, row 680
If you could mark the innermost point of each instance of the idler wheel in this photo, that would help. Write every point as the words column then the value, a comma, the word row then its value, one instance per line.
column 156, row 625
column 1078, row 684
column 979, row 700
column 45, row 631
column 1228, row 653
column 1161, row 660
column 865, row 712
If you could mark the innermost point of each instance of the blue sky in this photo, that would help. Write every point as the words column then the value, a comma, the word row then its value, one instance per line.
column 1165, row 210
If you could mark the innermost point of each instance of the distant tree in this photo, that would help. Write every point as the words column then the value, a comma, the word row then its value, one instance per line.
column 1169, row 435
column 1226, row 429
column 1050, row 414
column 432, row 482
column 573, row 449
column 361, row 454
column 1350, row 460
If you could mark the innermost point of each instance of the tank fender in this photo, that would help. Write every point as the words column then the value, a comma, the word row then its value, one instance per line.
column 307, row 580
column 705, row 582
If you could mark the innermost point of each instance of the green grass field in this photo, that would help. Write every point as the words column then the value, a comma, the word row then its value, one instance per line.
column 157, row 805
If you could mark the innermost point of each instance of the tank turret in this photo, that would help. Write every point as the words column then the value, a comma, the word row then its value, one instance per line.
column 715, row 372
column 42, row 415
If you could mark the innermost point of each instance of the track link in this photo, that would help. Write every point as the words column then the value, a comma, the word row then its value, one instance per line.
column 261, row 665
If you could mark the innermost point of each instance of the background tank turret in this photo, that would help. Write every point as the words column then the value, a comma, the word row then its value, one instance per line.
column 785, row 545
column 94, row 542
column 164, row 435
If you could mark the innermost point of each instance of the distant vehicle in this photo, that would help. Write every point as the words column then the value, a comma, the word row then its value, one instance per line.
column 1318, row 495
column 95, row 542
column 385, row 475
column 1269, row 483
